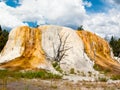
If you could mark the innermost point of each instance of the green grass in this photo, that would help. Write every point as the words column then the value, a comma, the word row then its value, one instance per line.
column 97, row 67
column 115, row 77
column 102, row 79
column 28, row 74
column 101, row 70
column 57, row 67
column 72, row 71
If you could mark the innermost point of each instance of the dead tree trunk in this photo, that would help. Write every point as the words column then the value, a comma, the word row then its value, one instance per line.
column 60, row 53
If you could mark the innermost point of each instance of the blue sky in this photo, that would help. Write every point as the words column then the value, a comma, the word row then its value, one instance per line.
column 97, row 6
column 98, row 16
column 12, row 3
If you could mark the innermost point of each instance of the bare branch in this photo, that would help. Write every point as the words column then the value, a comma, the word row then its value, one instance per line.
column 60, row 53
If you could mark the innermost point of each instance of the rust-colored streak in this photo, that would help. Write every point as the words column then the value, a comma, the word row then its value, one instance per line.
column 98, row 50
column 32, row 55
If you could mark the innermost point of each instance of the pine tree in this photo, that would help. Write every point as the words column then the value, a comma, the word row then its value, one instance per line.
column 3, row 37
column 112, row 41
column 115, row 44
column 0, row 30
column 80, row 28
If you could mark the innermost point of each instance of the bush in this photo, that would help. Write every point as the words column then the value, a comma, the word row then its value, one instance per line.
column 103, row 79
column 72, row 71
column 102, row 70
column 115, row 77
column 97, row 67
column 107, row 71
column 57, row 66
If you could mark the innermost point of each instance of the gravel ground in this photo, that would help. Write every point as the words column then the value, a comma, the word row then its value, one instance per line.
column 55, row 84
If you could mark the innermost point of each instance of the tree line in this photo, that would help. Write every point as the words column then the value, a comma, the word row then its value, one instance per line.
column 3, row 37
column 115, row 45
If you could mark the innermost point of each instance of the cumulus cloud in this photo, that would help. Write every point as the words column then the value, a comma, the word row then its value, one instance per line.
column 114, row 1
column 55, row 12
column 104, row 24
column 61, row 12
column 6, row 18
column 88, row 4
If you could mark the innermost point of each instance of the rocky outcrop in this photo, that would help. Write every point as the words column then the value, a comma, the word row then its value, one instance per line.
column 23, row 50
column 37, row 48
column 99, row 51
column 56, row 39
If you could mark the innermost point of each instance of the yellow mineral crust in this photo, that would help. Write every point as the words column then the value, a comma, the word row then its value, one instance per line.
column 32, row 55
column 98, row 50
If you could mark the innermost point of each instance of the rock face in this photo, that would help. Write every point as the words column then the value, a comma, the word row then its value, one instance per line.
column 99, row 51
column 36, row 48
column 67, row 41
column 23, row 49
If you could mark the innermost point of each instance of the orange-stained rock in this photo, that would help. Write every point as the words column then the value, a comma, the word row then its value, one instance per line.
column 99, row 51
column 31, row 53
column 29, row 48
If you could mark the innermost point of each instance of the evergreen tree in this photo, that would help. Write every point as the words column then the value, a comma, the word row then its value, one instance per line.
column 115, row 44
column 0, row 30
column 3, row 38
column 112, row 41
column 80, row 28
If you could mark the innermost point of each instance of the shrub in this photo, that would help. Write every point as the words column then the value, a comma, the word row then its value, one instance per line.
column 57, row 66
column 102, row 70
column 97, row 67
column 102, row 79
column 115, row 77
column 107, row 71
column 72, row 71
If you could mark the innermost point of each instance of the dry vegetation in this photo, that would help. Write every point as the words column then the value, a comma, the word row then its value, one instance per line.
column 42, row 80
column 54, row 84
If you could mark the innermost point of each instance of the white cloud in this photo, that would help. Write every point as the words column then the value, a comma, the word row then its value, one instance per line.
column 55, row 12
column 104, row 24
column 61, row 12
column 87, row 4
column 6, row 18
column 113, row 1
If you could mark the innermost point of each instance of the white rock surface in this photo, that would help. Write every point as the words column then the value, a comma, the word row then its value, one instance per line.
column 76, row 78
column 52, row 36
column 117, row 58
column 74, row 57
column 13, row 47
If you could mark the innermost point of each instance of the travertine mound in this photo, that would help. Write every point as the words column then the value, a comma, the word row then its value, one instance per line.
column 37, row 48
